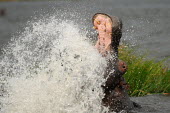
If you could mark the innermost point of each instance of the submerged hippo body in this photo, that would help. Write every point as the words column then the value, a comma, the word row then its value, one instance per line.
column 115, row 88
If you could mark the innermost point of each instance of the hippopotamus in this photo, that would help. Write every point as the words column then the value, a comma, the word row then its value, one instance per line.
column 115, row 88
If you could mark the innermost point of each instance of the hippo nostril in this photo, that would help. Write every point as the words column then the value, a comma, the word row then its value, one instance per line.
column 124, row 66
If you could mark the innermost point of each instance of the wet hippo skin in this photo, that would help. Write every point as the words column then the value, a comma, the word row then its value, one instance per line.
column 115, row 88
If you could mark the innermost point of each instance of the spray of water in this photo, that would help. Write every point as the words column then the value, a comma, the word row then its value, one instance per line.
column 51, row 68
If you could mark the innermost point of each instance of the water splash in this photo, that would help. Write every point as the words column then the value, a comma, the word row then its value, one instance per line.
column 51, row 68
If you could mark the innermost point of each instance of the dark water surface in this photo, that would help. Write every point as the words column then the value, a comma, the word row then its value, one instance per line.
column 153, row 103
column 146, row 26
column 146, row 23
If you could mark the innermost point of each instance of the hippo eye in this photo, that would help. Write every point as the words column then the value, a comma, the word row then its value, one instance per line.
column 124, row 67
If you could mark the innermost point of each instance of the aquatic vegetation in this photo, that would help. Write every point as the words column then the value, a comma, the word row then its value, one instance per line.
column 145, row 76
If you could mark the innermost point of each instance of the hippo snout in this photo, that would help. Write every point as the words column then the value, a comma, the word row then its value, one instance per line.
column 122, row 66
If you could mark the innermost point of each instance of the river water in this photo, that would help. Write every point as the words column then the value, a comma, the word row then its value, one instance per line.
column 46, row 41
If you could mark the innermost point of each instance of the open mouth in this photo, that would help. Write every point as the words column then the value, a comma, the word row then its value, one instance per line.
column 109, row 33
column 103, row 24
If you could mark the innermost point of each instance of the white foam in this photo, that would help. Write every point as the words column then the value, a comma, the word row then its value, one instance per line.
column 52, row 68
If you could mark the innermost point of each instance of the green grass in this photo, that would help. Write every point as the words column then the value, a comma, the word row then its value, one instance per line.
column 144, row 76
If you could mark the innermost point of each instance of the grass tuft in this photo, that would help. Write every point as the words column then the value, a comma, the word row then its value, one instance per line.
column 144, row 76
